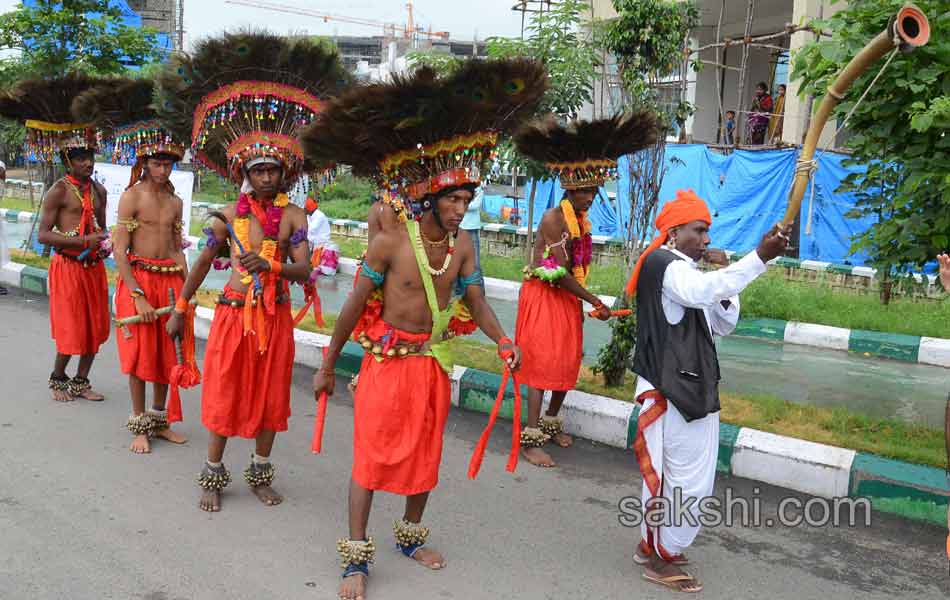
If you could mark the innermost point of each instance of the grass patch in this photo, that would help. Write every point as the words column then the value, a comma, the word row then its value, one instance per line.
column 16, row 203
column 348, row 197
column 772, row 296
column 29, row 258
column 214, row 189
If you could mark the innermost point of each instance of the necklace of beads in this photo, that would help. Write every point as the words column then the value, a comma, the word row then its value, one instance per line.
column 417, row 240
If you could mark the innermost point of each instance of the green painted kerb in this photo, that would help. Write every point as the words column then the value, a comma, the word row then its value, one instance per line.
column 349, row 360
column 478, row 389
column 889, row 345
column 843, row 269
column 728, row 434
column 33, row 280
column 770, row 329
column 911, row 491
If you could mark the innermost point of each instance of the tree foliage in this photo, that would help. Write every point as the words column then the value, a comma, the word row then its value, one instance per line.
column 442, row 63
column 898, row 131
column 53, row 38
column 648, row 39
column 559, row 39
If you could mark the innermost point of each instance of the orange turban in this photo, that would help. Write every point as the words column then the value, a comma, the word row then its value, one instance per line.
column 310, row 205
column 686, row 208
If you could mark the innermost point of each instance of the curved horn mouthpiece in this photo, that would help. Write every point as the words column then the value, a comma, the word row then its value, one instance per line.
column 912, row 26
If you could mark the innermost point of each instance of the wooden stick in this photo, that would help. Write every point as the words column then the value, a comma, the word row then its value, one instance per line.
column 624, row 312
column 138, row 318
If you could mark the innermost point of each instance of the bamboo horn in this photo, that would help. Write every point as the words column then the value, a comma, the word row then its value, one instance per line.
column 911, row 29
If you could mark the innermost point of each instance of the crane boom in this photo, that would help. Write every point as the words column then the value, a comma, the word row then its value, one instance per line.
column 296, row 10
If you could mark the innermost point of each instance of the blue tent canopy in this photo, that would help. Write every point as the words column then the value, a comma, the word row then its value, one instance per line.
column 747, row 192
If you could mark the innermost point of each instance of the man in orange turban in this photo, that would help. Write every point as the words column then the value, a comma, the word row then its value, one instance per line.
column 679, row 310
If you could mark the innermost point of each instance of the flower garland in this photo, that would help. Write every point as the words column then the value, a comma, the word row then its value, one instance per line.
column 582, row 243
column 270, row 223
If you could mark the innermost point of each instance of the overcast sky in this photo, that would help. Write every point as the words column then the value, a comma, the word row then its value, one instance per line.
column 463, row 19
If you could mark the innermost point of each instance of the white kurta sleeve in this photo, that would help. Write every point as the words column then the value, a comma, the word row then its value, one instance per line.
column 723, row 321
column 693, row 288
column 318, row 231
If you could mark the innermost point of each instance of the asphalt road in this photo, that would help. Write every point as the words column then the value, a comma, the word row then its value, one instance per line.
column 83, row 518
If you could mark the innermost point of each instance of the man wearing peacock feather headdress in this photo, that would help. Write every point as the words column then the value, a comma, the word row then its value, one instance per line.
column 149, row 244
column 242, row 97
column 72, row 221
column 425, row 140
column 582, row 155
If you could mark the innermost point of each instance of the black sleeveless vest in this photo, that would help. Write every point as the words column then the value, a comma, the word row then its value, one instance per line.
column 679, row 360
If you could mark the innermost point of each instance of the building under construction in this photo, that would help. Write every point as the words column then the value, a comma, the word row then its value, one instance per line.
column 739, row 44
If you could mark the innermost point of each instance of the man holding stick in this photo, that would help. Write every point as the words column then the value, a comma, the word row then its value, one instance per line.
column 148, row 242
column 582, row 156
column 402, row 309
column 679, row 310
column 72, row 221
column 249, row 356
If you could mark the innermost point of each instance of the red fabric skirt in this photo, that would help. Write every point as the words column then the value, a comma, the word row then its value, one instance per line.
column 78, row 306
column 400, row 409
column 550, row 333
column 244, row 391
column 149, row 354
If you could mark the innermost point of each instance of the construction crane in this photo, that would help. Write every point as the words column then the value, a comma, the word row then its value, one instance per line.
column 407, row 31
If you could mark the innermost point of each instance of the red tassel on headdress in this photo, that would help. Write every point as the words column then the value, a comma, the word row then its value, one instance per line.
column 316, row 443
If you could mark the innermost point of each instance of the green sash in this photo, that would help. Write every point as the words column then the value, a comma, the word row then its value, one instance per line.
column 437, row 348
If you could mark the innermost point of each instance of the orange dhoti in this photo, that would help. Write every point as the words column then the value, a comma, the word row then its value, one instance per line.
column 550, row 333
column 150, row 353
column 78, row 305
column 400, row 408
column 245, row 391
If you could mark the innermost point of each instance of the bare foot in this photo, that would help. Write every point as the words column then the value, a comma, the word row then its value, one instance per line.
column 61, row 396
column 140, row 444
column 671, row 576
column 563, row 440
column 429, row 558
column 267, row 495
column 81, row 388
column 210, row 501
column 353, row 587
column 91, row 395
column 172, row 436
column 538, row 457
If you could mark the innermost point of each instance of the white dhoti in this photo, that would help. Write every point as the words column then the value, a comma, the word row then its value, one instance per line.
column 675, row 455
column 677, row 458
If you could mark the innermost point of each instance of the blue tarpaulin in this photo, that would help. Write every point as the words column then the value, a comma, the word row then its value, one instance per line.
column 747, row 192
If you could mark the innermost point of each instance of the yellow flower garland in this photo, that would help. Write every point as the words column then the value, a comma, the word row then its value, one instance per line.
column 577, row 229
column 242, row 229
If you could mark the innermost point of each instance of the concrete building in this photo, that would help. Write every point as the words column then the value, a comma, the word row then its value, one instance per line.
column 768, row 65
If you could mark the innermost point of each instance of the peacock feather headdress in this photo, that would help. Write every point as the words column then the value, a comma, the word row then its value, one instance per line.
column 122, row 108
column 243, row 96
column 43, row 106
column 584, row 154
column 421, row 133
